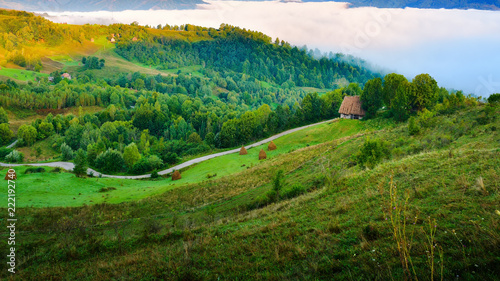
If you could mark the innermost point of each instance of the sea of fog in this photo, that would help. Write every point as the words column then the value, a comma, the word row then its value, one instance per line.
column 459, row 48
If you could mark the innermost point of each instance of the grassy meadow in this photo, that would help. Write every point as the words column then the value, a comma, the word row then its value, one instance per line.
column 51, row 190
column 436, row 197
column 20, row 74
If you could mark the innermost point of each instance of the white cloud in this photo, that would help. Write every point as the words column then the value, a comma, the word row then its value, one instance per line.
column 457, row 47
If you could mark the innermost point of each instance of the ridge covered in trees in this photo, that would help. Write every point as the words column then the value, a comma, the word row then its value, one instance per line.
column 247, row 88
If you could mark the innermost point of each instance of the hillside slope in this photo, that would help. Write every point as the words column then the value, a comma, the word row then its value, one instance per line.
column 436, row 196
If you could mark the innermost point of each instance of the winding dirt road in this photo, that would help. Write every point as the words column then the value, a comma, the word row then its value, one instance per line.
column 69, row 166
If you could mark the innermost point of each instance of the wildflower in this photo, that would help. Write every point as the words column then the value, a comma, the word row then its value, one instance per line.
column 497, row 212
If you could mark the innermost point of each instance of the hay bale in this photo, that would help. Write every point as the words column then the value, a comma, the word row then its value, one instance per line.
column 271, row 146
column 243, row 151
column 176, row 176
column 262, row 154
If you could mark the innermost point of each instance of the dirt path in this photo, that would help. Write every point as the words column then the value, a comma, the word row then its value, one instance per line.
column 69, row 166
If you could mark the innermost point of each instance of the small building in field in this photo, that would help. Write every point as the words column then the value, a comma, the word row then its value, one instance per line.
column 134, row 39
column 112, row 40
column 351, row 108
column 66, row 76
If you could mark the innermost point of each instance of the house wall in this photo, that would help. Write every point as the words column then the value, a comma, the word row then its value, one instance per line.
column 351, row 116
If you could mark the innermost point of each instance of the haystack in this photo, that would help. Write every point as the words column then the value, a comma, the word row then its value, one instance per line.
column 271, row 146
column 176, row 176
column 262, row 154
column 243, row 151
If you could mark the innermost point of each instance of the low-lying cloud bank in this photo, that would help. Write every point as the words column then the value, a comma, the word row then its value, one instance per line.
column 457, row 47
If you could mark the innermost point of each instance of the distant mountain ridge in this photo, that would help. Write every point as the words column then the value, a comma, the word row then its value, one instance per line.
column 121, row 5
column 430, row 4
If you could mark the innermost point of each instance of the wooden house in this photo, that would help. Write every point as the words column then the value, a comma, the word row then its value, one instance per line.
column 351, row 108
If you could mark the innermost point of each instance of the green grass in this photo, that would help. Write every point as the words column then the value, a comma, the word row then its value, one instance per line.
column 66, row 60
column 20, row 74
column 339, row 229
column 60, row 195
column 64, row 189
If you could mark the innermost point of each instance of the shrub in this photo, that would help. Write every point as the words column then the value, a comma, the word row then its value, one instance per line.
column 295, row 191
column 170, row 158
column 494, row 99
column 14, row 157
column 35, row 170
column 194, row 138
column 110, row 161
column 106, row 189
column 80, row 163
column 6, row 133
column 413, row 126
column 154, row 174
column 146, row 164
column 4, row 151
column 66, row 152
column 426, row 118
column 57, row 170
column 27, row 134
column 131, row 155
column 372, row 152
column 155, row 162
column 274, row 194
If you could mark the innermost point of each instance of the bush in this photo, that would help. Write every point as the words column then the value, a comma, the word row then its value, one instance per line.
column 106, row 189
column 413, row 126
column 494, row 99
column 35, row 170
column 110, row 161
column 170, row 158
column 57, row 170
column 372, row 152
column 146, row 164
column 6, row 133
column 154, row 174
column 155, row 162
column 66, row 152
column 295, row 191
column 426, row 118
column 14, row 157
column 4, row 151
column 80, row 163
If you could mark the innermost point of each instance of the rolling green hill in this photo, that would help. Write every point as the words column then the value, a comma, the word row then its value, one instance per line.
column 435, row 194
column 410, row 192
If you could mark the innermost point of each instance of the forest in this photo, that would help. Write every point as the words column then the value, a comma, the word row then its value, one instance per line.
column 247, row 88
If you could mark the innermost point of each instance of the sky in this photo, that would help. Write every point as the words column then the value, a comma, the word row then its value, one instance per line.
column 459, row 48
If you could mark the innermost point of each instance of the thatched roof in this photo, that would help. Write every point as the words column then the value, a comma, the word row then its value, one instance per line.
column 352, row 105
column 176, row 176
column 262, row 154
column 243, row 151
column 271, row 146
